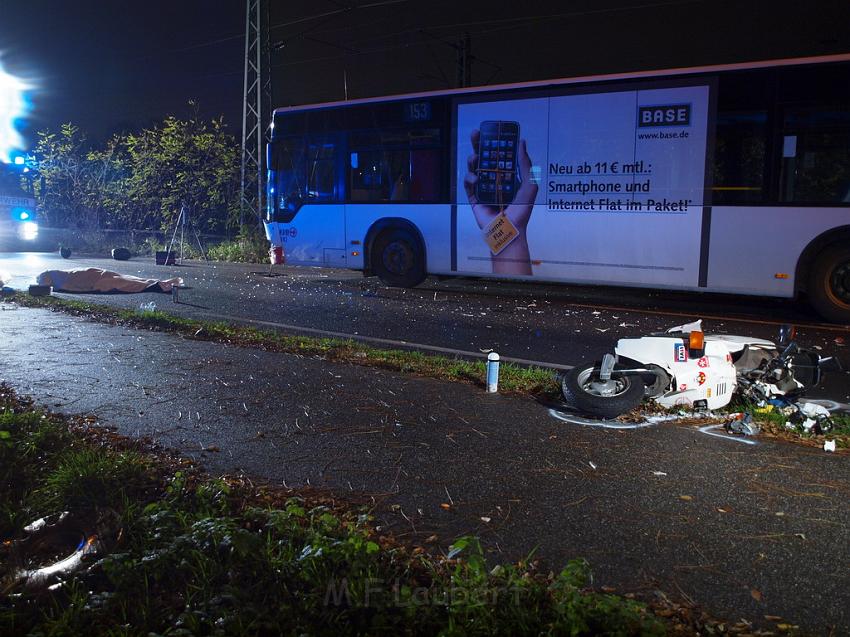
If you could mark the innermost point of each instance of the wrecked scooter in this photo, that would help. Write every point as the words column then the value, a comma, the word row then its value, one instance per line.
column 685, row 367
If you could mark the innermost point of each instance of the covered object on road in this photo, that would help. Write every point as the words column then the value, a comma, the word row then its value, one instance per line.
column 97, row 280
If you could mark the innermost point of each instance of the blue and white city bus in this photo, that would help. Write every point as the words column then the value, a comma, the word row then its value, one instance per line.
column 731, row 178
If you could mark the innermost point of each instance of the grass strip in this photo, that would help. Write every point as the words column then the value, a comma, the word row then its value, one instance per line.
column 531, row 381
column 512, row 378
column 180, row 553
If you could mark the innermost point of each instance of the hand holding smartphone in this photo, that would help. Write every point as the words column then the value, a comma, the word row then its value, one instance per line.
column 498, row 174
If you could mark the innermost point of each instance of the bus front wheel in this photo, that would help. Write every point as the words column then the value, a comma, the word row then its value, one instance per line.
column 829, row 285
column 398, row 258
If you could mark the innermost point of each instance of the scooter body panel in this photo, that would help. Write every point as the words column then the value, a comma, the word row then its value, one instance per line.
column 708, row 375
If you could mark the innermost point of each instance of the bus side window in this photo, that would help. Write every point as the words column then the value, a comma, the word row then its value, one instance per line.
column 321, row 173
column 425, row 175
column 815, row 155
column 379, row 175
column 401, row 165
column 739, row 157
column 368, row 181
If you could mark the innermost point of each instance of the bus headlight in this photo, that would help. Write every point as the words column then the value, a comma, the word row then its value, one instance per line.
column 29, row 230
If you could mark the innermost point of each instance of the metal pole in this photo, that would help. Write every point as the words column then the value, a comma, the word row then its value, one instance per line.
column 254, row 87
column 245, row 111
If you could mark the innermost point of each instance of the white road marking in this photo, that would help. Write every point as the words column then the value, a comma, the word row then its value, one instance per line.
column 709, row 431
column 652, row 421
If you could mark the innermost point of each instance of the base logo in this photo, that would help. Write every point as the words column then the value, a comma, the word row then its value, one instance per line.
column 680, row 353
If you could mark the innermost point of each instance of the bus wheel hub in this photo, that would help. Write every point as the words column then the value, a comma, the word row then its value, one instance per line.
column 397, row 257
column 840, row 282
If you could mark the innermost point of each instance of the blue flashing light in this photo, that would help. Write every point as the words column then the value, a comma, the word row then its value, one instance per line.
column 22, row 214
column 19, row 160
column 13, row 106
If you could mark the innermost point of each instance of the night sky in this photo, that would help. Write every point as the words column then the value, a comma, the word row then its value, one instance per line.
column 111, row 66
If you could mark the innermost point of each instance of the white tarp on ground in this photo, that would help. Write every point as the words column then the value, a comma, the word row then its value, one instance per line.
column 97, row 280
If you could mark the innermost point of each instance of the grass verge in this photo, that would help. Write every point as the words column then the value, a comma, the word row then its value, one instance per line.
column 537, row 382
column 512, row 378
column 178, row 553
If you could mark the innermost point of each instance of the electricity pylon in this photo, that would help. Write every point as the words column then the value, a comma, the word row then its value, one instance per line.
column 256, row 106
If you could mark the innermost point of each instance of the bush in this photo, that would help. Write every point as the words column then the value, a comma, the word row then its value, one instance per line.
column 245, row 249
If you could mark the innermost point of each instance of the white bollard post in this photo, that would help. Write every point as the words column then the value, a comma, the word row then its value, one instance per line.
column 492, row 372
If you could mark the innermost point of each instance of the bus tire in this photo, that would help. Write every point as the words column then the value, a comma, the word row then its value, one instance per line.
column 398, row 258
column 829, row 284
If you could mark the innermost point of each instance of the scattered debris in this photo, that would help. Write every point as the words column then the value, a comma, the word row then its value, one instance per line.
column 121, row 254
column 808, row 417
column 742, row 423
column 40, row 290
column 829, row 445
column 711, row 430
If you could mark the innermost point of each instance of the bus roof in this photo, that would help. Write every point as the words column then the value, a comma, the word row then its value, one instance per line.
column 821, row 59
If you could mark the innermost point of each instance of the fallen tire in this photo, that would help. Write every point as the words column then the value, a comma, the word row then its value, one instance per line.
column 65, row 252
column 829, row 284
column 584, row 390
column 121, row 254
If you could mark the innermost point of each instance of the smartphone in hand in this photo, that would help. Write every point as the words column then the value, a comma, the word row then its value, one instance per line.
column 498, row 174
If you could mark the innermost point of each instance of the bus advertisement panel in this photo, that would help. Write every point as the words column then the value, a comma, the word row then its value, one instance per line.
column 586, row 187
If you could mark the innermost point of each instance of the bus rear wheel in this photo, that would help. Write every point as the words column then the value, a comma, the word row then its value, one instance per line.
column 829, row 285
column 398, row 258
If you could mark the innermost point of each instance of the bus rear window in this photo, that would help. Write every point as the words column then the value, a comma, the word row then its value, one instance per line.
column 815, row 155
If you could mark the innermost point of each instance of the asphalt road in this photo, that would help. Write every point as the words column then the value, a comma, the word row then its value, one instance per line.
column 745, row 530
column 550, row 324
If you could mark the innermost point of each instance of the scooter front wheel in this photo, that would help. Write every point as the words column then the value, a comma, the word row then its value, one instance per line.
column 584, row 390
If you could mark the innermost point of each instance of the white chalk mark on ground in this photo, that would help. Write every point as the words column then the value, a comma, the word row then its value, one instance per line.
column 830, row 405
column 710, row 430
column 573, row 419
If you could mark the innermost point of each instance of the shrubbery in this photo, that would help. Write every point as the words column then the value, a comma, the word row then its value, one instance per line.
column 140, row 180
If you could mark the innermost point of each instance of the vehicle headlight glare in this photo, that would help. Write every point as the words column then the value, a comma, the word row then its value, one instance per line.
column 29, row 230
